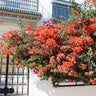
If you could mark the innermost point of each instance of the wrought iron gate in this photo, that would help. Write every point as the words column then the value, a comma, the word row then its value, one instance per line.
column 15, row 82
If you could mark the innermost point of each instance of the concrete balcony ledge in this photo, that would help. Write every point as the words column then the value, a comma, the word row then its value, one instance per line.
column 20, row 10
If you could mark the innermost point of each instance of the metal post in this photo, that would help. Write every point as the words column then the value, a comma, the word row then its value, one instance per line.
column 6, row 90
column 6, row 80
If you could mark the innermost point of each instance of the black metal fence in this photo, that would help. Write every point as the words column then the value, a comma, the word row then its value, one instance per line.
column 22, row 4
column 15, row 82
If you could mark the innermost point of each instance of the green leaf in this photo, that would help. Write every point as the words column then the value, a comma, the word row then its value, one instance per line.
column 94, row 14
column 94, row 34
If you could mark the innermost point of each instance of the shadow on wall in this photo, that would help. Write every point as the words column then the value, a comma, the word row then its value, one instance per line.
column 7, row 26
column 45, row 88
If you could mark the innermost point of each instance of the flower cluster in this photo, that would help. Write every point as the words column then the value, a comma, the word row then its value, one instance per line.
column 65, row 51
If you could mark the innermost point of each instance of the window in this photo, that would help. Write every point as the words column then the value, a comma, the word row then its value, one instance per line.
column 25, row 4
column 12, row 4
column 60, row 10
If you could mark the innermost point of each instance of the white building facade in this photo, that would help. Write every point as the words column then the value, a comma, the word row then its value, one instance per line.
column 35, row 86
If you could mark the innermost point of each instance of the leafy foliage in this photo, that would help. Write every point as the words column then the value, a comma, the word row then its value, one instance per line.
column 63, row 51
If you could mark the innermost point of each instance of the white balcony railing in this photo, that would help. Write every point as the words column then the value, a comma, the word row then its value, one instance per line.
column 22, row 4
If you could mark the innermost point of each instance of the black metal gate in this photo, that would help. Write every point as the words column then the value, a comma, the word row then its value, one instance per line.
column 13, row 81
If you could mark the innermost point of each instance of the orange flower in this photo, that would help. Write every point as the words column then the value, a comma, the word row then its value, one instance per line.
column 93, row 81
column 6, row 51
column 27, row 44
column 76, row 40
column 71, row 59
column 37, row 42
column 40, row 71
column 19, row 42
column 87, row 74
column 16, row 59
column 61, row 17
column 65, row 48
column 44, row 69
column 60, row 69
column 83, row 66
column 86, row 46
column 70, row 73
column 34, row 63
column 41, row 51
column 75, row 12
column 89, row 39
column 67, row 64
column 92, row 19
column 48, row 66
column 51, row 70
column 52, row 61
column 77, row 49
column 51, row 42
column 85, row 29
column 92, row 28
column 27, row 28
column 9, row 34
column 38, row 67
column 1, row 43
column 22, row 61
column 74, row 73
column 55, row 70
column 60, row 56
column 30, row 51
column 49, row 51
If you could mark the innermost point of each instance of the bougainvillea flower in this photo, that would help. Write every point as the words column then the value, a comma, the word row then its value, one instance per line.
column 80, row 21
column 1, row 43
column 75, row 12
column 27, row 28
column 61, row 17
column 65, row 51
column 52, row 18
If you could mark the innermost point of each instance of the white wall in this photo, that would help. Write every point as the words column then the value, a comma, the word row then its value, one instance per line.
column 4, row 27
column 44, row 88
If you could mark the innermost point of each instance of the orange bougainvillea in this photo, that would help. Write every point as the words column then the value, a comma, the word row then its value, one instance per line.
column 75, row 12
column 65, row 51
